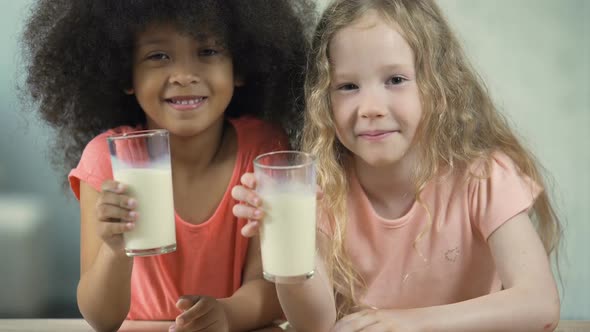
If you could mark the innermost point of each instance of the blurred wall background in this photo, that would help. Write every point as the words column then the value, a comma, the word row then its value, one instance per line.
column 39, row 221
column 534, row 55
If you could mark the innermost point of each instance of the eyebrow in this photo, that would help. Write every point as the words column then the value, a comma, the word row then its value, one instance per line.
column 201, row 38
column 151, row 41
column 398, row 66
column 390, row 67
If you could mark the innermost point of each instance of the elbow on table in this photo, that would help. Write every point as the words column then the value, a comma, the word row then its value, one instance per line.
column 548, row 310
column 100, row 318
column 552, row 314
column 99, row 326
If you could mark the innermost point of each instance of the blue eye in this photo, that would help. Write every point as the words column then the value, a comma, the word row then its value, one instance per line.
column 347, row 87
column 395, row 80
column 158, row 56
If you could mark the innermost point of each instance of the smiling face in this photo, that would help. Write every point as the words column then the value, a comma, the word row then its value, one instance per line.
column 182, row 83
column 374, row 96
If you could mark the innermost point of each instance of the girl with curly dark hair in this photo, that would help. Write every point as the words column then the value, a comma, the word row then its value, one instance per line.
column 221, row 77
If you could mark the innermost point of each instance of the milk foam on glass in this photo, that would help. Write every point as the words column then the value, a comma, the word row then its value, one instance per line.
column 141, row 160
column 286, row 183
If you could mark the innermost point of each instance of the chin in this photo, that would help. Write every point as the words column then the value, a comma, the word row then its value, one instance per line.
column 382, row 159
column 189, row 127
column 183, row 131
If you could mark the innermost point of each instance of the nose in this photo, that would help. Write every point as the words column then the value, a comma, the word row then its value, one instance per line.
column 184, row 74
column 372, row 104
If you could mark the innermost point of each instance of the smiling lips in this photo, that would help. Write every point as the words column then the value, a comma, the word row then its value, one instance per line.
column 376, row 135
column 185, row 103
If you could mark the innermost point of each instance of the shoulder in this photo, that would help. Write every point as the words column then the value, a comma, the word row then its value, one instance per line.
column 496, row 163
column 98, row 145
column 94, row 166
column 498, row 190
column 499, row 169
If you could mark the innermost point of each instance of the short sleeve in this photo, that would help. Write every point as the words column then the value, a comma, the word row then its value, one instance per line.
column 499, row 194
column 94, row 166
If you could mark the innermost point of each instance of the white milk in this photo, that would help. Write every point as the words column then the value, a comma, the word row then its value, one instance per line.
column 288, row 233
column 153, row 190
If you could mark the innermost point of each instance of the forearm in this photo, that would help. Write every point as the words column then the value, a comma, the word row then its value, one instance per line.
column 515, row 309
column 104, row 291
column 254, row 305
column 309, row 306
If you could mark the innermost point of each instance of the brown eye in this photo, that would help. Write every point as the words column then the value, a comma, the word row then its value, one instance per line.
column 208, row 52
column 158, row 56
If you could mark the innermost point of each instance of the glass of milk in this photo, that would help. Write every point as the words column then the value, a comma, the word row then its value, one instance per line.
column 286, row 183
column 141, row 160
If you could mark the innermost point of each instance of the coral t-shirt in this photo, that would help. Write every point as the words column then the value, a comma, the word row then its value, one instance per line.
column 210, row 256
column 452, row 261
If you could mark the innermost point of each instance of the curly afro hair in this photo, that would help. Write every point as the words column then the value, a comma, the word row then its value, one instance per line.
column 78, row 60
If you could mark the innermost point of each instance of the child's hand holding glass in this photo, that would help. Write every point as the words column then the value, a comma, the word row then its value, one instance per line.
column 250, row 206
column 116, row 213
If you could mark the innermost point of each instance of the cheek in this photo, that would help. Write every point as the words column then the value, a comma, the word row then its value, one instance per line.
column 342, row 128
column 343, row 118
column 221, row 74
column 140, row 74
column 339, row 117
column 342, row 111
column 410, row 109
column 145, row 84
column 416, row 115
column 347, row 143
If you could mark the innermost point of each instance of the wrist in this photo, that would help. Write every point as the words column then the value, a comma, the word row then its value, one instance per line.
column 118, row 256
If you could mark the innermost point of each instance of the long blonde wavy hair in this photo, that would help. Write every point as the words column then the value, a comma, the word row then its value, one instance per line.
column 460, row 123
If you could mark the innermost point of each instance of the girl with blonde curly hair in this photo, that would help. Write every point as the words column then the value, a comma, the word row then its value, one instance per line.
column 427, row 222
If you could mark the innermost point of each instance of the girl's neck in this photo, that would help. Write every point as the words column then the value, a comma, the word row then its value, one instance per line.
column 197, row 153
column 390, row 189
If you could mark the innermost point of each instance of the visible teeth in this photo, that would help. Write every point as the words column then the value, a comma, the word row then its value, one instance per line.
column 187, row 102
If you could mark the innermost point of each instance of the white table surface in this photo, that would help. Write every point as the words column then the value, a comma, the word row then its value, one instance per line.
column 79, row 325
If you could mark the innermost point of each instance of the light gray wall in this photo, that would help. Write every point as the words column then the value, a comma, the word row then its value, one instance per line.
column 25, row 173
column 534, row 55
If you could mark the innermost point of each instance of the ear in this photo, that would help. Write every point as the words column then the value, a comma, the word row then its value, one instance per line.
column 129, row 91
column 238, row 81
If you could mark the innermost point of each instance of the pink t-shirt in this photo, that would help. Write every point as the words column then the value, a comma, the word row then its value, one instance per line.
column 452, row 261
column 210, row 256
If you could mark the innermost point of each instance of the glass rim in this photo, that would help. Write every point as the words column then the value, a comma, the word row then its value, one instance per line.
column 311, row 159
column 138, row 134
